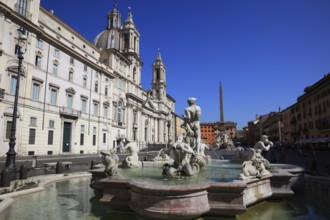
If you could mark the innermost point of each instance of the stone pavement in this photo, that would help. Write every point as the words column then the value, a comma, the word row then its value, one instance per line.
column 80, row 162
column 317, row 161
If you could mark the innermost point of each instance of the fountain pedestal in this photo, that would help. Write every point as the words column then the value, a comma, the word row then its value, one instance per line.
column 169, row 202
column 184, row 201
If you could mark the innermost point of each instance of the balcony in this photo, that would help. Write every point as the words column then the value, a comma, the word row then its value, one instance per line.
column 69, row 113
column 21, row 9
column 120, row 136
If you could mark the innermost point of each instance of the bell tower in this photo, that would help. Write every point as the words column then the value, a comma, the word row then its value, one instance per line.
column 114, row 19
column 159, row 79
column 131, row 36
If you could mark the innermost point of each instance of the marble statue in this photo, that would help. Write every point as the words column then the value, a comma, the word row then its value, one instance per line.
column 161, row 156
column 242, row 154
column 264, row 145
column 223, row 141
column 188, row 151
column 111, row 161
column 254, row 168
column 131, row 161
column 182, row 166
column 192, row 124
column 203, row 147
column 257, row 166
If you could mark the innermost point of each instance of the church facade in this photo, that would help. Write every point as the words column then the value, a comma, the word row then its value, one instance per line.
column 76, row 96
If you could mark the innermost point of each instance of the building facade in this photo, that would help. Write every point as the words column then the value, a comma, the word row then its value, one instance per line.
column 208, row 133
column 310, row 115
column 77, row 97
column 305, row 122
column 210, row 130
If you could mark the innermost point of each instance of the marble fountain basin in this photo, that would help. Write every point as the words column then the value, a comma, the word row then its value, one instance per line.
column 215, row 191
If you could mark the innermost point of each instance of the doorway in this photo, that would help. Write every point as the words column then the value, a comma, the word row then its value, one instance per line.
column 66, row 137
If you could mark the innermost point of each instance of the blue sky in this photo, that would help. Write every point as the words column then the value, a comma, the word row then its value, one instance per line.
column 265, row 52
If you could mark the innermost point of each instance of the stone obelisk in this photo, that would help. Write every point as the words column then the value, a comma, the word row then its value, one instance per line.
column 222, row 120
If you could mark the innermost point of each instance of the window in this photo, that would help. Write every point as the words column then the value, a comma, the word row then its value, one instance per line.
column 96, row 75
column 57, row 53
column 71, row 61
column 96, row 87
column 82, row 131
column 106, row 91
column 94, row 136
column 81, row 139
column 13, row 83
column 85, row 67
column 33, row 121
column 95, row 108
column 55, row 68
column 35, row 91
column 94, row 139
column 69, row 101
column 134, row 74
column 38, row 61
column 32, row 136
column 105, row 111
column 70, row 76
column 8, row 129
column 22, row 6
column 53, row 96
column 157, row 74
column 51, row 124
column 39, row 43
column 83, row 105
column 85, row 82
column 50, row 137
column 119, row 113
column 134, row 117
column 104, row 138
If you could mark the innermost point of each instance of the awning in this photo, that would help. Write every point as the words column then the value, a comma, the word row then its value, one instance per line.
column 321, row 140
column 303, row 141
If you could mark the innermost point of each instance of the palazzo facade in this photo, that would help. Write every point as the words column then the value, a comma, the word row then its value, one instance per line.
column 76, row 96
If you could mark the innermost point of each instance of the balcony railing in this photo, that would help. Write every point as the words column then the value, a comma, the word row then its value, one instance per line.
column 20, row 9
column 120, row 136
column 70, row 112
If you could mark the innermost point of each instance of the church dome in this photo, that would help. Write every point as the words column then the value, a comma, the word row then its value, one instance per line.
column 107, row 39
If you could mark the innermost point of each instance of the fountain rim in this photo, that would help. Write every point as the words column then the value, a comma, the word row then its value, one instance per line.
column 8, row 198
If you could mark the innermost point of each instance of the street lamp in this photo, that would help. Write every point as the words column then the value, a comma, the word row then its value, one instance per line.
column 168, row 128
column 11, row 154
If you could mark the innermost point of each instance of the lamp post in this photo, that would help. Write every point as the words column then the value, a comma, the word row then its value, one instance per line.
column 11, row 154
column 168, row 133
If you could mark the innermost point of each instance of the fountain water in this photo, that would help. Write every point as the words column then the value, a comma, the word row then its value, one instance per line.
column 191, row 186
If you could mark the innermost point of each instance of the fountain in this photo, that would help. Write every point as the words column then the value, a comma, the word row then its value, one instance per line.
column 192, row 185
